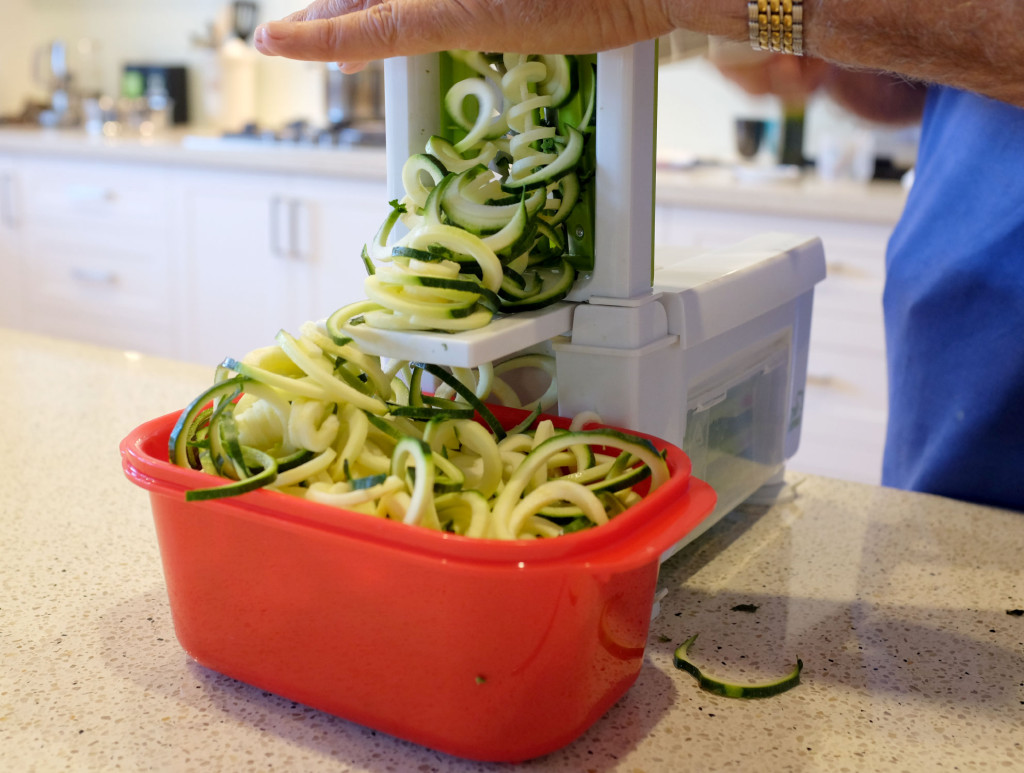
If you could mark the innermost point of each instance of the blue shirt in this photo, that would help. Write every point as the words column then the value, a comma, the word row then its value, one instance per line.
column 954, row 308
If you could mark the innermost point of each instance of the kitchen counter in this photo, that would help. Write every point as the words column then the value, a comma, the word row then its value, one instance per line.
column 741, row 188
column 179, row 147
column 757, row 190
column 897, row 603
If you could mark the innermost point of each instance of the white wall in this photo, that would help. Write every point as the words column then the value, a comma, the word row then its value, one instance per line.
column 697, row 106
column 16, row 47
column 151, row 31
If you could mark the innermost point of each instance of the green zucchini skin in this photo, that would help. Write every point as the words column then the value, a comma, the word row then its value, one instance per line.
column 522, row 195
column 681, row 660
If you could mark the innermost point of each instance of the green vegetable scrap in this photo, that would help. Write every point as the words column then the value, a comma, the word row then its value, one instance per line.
column 746, row 608
column 728, row 689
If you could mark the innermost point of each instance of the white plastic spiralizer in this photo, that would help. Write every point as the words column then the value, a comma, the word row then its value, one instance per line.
column 708, row 351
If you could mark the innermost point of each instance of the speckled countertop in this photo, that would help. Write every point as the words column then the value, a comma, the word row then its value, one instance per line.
column 897, row 603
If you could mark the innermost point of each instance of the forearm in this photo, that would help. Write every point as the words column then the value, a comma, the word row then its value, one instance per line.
column 876, row 96
column 970, row 44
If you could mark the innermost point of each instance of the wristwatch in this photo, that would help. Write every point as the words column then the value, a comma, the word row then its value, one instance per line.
column 776, row 25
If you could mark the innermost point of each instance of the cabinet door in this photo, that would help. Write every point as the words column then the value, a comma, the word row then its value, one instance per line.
column 337, row 217
column 265, row 252
column 241, row 281
column 11, row 250
column 97, row 253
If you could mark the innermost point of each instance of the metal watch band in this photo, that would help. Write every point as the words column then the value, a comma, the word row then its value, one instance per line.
column 776, row 25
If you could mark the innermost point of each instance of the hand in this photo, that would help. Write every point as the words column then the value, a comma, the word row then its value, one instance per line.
column 791, row 78
column 352, row 32
column 876, row 96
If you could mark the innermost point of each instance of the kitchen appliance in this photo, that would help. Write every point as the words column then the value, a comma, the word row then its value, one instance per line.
column 165, row 85
column 229, row 73
column 50, row 66
column 355, row 97
column 244, row 18
column 485, row 649
column 356, row 100
column 750, row 133
column 708, row 351
column 68, row 73
column 53, row 73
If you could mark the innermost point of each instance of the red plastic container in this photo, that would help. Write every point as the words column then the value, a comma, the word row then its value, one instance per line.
column 483, row 649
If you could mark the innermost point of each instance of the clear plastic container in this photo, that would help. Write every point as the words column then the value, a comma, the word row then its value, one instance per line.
column 483, row 649
column 736, row 423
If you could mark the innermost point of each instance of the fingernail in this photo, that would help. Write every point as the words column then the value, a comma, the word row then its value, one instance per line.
column 259, row 38
column 264, row 37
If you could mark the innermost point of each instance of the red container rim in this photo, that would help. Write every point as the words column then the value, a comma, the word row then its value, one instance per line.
column 635, row 537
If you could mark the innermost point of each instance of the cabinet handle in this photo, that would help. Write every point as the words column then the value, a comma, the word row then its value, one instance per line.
column 832, row 383
column 814, row 379
column 839, row 268
column 7, row 211
column 290, row 212
column 274, row 228
column 93, row 276
column 294, row 229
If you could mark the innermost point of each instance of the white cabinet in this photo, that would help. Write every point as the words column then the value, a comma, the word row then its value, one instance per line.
column 263, row 252
column 342, row 216
column 845, row 404
column 11, row 307
column 190, row 263
column 96, row 253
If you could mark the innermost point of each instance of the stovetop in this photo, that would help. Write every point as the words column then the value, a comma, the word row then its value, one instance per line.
column 304, row 134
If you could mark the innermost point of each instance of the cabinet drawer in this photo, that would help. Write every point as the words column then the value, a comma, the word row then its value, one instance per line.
column 835, row 454
column 854, row 331
column 94, row 195
column 842, row 434
column 118, row 279
column 849, row 381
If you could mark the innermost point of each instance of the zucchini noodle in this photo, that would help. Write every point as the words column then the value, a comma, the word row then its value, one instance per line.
column 498, row 212
column 309, row 418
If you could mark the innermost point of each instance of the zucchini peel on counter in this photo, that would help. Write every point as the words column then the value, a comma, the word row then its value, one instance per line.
column 681, row 660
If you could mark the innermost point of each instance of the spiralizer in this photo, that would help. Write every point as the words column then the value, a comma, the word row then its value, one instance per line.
column 708, row 351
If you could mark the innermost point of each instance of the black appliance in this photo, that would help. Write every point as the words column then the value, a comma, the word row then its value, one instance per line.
column 174, row 80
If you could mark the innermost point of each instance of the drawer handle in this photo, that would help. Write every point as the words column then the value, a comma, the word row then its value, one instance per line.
column 90, row 193
column 839, row 268
column 834, row 383
column 823, row 380
column 294, row 215
column 93, row 276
